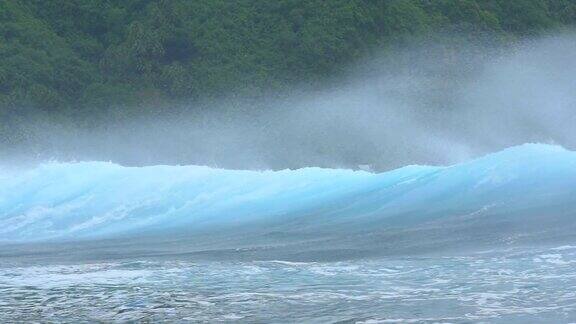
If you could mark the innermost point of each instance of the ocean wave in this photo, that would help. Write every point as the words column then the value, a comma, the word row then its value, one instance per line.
column 89, row 200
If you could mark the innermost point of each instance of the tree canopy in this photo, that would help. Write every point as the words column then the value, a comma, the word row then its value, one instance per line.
column 85, row 57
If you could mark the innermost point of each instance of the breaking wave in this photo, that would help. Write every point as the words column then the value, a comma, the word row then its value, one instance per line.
column 516, row 192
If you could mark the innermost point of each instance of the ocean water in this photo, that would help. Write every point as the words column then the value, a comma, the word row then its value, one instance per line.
column 521, row 286
column 491, row 240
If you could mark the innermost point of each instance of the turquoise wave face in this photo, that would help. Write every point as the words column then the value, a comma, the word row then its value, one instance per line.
column 90, row 200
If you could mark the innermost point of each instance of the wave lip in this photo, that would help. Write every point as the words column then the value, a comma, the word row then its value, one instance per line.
column 99, row 200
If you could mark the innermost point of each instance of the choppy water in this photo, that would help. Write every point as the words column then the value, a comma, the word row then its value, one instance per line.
column 522, row 286
column 83, row 242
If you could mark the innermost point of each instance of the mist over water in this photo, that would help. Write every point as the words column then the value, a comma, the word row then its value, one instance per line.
column 436, row 104
column 450, row 103
column 170, row 230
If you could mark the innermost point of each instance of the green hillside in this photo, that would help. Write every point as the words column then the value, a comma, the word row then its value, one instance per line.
column 88, row 56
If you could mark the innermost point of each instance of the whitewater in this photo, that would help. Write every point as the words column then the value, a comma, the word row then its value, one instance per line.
column 488, row 240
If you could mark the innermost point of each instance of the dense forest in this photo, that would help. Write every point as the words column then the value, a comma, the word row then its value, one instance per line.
column 83, row 57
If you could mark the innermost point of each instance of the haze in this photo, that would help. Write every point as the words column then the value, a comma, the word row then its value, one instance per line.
column 426, row 105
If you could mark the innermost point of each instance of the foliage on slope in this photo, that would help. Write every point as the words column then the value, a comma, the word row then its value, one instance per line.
column 79, row 57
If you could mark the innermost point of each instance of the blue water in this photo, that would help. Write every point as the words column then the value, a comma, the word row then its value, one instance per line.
column 102, row 200
column 528, row 286
column 486, row 240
